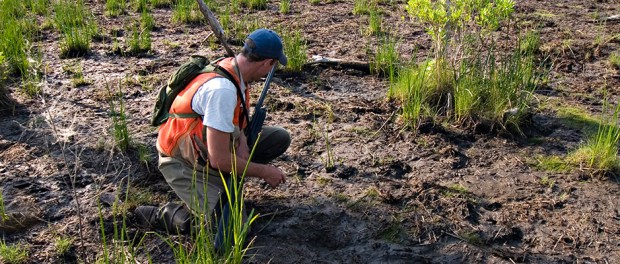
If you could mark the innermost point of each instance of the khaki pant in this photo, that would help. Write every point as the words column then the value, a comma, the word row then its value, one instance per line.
column 201, row 188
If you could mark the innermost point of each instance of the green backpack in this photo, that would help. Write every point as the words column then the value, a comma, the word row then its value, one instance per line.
column 196, row 65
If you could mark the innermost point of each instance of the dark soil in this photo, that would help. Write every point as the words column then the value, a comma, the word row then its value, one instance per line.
column 440, row 194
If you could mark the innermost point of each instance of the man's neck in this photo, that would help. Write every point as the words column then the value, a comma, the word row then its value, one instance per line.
column 245, row 67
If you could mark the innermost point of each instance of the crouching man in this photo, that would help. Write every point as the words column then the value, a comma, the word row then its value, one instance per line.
column 194, row 149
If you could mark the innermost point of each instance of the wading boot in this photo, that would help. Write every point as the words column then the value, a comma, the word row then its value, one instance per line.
column 172, row 218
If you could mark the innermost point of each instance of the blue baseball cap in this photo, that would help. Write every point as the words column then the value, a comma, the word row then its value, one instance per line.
column 267, row 44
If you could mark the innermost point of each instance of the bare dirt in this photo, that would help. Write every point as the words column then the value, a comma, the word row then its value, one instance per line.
column 442, row 194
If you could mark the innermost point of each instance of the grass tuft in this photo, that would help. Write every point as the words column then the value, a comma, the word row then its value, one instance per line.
column 614, row 60
column 295, row 48
column 13, row 254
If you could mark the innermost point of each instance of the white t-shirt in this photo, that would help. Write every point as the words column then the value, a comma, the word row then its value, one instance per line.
column 216, row 101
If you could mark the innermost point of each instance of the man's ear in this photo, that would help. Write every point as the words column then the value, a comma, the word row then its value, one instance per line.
column 273, row 61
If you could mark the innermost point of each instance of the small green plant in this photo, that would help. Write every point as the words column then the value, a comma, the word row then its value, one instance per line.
column 76, row 25
column 386, row 58
column 140, row 5
column 547, row 182
column 144, row 156
column 552, row 163
column 3, row 215
column 295, row 48
column 63, row 244
column 139, row 40
column 161, row 3
column 361, row 7
column 114, row 8
column 314, row 2
column 78, row 77
column 374, row 21
column 614, row 60
column 410, row 90
column 187, row 11
column 285, row 6
column 530, row 43
column 119, row 120
column 147, row 21
column 5, row 101
column 13, row 254
column 255, row 4
column 600, row 152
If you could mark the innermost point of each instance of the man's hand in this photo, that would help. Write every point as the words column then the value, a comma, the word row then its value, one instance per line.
column 243, row 151
column 274, row 176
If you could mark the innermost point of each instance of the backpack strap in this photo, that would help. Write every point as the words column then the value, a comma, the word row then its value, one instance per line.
column 221, row 71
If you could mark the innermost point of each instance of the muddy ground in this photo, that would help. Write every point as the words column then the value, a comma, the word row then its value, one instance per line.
column 442, row 194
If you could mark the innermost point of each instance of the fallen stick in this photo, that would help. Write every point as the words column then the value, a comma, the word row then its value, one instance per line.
column 358, row 65
column 215, row 25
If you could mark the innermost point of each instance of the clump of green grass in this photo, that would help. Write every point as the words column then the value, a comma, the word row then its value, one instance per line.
column 255, row 4
column 161, row 3
column 600, row 152
column 119, row 120
column 314, row 2
column 285, row 6
column 13, row 254
column 386, row 59
column 17, row 32
column 374, row 21
column 77, row 78
column 114, row 8
column 139, row 40
column 140, row 5
column 614, row 60
column 62, row 245
column 361, row 7
column 77, row 26
column 295, row 48
column 5, row 101
column 187, row 11
column 3, row 215
column 410, row 90
column 552, row 163
column 147, row 21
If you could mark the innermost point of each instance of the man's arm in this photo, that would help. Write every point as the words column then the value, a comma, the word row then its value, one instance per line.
column 220, row 158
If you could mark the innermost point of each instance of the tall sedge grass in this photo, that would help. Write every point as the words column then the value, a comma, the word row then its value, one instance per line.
column 121, row 133
column 187, row 11
column 386, row 58
column 410, row 89
column 5, row 101
column 296, row 50
column 16, row 36
column 77, row 26
column 361, row 7
column 285, row 6
column 614, row 60
column 140, row 5
column 114, row 8
column 374, row 21
column 255, row 4
column 122, row 248
column 600, row 152
column 139, row 40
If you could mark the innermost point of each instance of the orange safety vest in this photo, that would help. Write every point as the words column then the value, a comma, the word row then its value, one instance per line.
column 176, row 136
